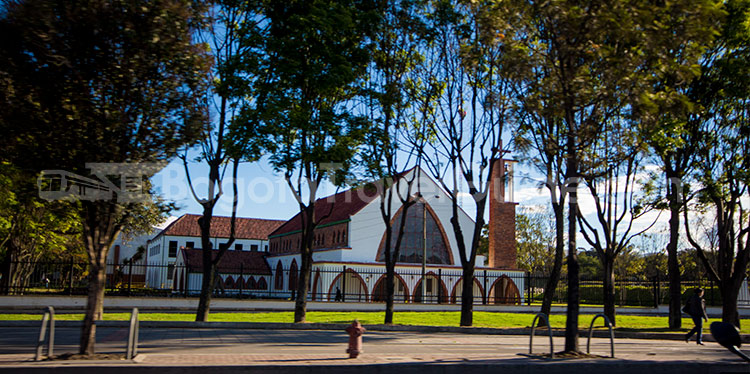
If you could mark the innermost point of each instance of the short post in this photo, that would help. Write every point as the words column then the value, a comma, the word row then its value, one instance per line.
column 132, row 349
column 47, row 318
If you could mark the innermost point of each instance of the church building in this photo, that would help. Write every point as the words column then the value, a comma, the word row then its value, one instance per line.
column 349, row 239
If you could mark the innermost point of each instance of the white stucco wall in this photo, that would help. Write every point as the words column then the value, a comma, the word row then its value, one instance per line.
column 367, row 228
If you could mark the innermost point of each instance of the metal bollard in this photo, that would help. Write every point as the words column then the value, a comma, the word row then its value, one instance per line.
column 48, row 318
column 355, row 332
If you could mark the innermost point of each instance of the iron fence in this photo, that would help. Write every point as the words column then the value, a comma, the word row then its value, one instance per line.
column 332, row 283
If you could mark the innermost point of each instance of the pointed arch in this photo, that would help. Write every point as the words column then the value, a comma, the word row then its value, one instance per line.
column 279, row 277
column 251, row 283
column 293, row 275
column 477, row 288
column 262, row 285
column 229, row 282
column 438, row 245
column 316, row 285
column 440, row 290
column 356, row 287
column 504, row 291
column 240, row 283
column 400, row 294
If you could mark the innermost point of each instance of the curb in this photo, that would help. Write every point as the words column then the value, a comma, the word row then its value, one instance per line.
column 343, row 326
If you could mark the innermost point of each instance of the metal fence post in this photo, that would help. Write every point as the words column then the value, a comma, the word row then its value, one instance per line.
column 343, row 284
column 70, row 278
column 529, row 291
column 242, row 276
column 130, row 276
column 484, row 286
column 440, row 282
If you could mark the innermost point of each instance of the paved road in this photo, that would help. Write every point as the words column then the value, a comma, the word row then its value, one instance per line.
column 289, row 350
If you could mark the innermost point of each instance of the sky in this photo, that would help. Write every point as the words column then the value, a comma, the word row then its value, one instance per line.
column 265, row 194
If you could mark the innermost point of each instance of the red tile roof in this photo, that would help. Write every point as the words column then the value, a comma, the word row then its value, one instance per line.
column 231, row 262
column 245, row 228
column 335, row 208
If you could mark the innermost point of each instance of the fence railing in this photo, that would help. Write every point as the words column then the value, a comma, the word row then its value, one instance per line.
column 335, row 284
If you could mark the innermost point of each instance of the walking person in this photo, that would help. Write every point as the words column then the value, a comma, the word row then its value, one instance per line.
column 696, row 308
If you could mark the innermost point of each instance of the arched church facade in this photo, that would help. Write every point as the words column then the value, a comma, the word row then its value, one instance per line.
column 349, row 245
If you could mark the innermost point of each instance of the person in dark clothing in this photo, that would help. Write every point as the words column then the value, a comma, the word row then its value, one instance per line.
column 696, row 308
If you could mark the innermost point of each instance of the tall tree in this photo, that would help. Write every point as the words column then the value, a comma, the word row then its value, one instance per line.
column 590, row 56
column 99, row 82
column 474, row 65
column 314, row 54
column 216, row 147
column 612, row 178
column 390, row 88
column 722, row 155
column 667, row 116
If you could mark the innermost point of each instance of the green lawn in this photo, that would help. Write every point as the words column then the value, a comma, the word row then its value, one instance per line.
column 481, row 319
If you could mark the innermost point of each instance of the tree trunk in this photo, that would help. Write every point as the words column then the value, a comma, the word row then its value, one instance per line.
column 673, row 266
column 390, row 288
column 300, row 305
column 609, row 288
column 94, row 307
column 308, row 223
column 730, row 291
column 207, row 283
column 554, row 277
column 100, row 229
column 467, row 296
column 6, row 270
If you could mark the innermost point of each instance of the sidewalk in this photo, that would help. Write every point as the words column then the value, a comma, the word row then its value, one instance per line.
column 190, row 350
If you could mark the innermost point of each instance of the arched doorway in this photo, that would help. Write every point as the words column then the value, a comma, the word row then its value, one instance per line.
column 400, row 293
column 478, row 291
column 317, row 287
column 229, row 282
column 278, row 282
column 351, row 286
column 293, row 275
column 435, row 290
column 504, row 291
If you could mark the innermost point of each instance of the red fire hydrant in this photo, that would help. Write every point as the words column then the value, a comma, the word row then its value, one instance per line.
column 355, row 332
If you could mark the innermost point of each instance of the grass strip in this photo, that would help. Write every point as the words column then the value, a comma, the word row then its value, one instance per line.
column 481, row 319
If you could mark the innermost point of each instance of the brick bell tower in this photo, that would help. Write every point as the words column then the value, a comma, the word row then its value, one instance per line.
column 502, row 225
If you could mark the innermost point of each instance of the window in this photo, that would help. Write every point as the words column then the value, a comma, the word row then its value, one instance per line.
column 238, row 247
column 170, row 271
column 172, row 248
column 412, row 245
column 266, row 248
column 253, row 247
column 190, row 245
column 428, row 284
